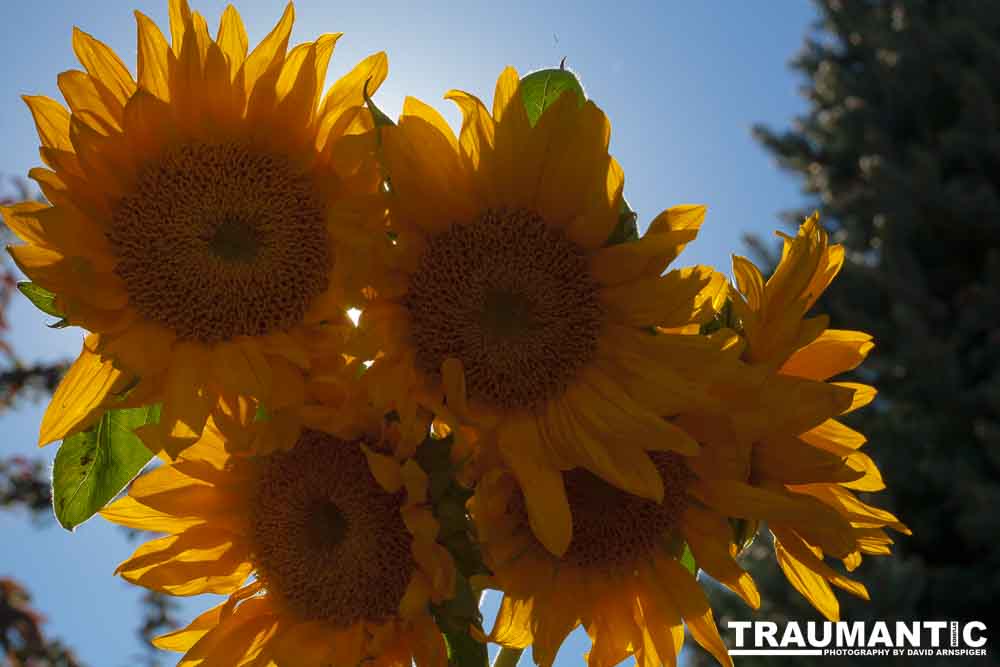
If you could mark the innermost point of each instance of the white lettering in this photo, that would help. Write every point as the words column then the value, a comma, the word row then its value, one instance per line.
column 851, row 634
column 908, row 634
column 967, row 634
column 935, row 627
column 793, row 636
column 880, row 635
column 739, row 626
column 827, row 634
column 766, row 630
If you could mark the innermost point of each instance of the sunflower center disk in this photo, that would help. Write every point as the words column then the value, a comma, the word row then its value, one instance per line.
column 219, row 240
column 512, row 299
column 611, row 528
column 329, row 542
column 235, row 241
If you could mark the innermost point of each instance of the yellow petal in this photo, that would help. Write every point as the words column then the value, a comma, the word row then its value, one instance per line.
column 508, row 85
column 626, row 262
column 232, row 39
column 270, row 52
column 77, row 401
column 416, row 482
column 242, row 633
column 811, row 585
column 143, row 349
column 832, row 353
column 287, row 384
column 416, row 597
column 740, row 500
column 147, row 123
column 180, row 15
column 240, row 368
column 190, row 563
column 663, row 629
column 88, row 97
column 791, row 461
column 102, row 64
column 592, row 229
column 435, row 561
column 186, row 402
column 833, row 432
column 575, row 167
column 871, row 479
column 152, row 58
column 347, row 93
column 681, row 297
column 863, row 394
column 422, row 158
column 302, row 78
column 385, row 469
column 561, row 615
column 59, row 228
column 541, row 483
column 749, row 281
column 128, row 512
column 848, row 505
column 513, row 626
column 183, row 639
column 613, row 632
column 512, row 129
column 307, row 643
column 690, row 601
column 51, row 120
column 680, row 218
column 709, row 535
column 809, row 557
column 476, row 140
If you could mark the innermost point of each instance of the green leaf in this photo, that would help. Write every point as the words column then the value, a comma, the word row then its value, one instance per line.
column 722, row 319
column 93, row 466
column 508, row 657
column 378, row 115
column 41, row 298
column 448, row 497
column 540, row 90
column 464, row 651
column 626, row 230
column 454, row 617
column 687, row 560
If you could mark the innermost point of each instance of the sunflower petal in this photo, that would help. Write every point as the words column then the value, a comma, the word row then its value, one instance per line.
column 77, row 401
column 51, row 120
column 541, row 483
column 812, row 586
column 102, row 64
column 183, row 639
column 270, row 53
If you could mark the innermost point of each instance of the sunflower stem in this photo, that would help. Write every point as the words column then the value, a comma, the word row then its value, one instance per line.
column 508, row 657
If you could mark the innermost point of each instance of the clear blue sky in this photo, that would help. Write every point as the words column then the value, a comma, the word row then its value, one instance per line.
column 681, row 81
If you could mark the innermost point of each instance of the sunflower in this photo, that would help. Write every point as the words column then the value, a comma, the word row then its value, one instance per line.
column 192, row 217
column 822, row 466
column 503, row 305
column 622, row 576
column 335, row 534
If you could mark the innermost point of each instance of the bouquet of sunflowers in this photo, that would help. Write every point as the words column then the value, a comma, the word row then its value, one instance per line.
column 385, row 367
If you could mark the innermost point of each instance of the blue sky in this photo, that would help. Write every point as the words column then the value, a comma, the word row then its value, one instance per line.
column 682, row 83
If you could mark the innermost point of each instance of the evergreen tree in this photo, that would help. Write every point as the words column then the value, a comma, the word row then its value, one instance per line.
column 900, row 153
